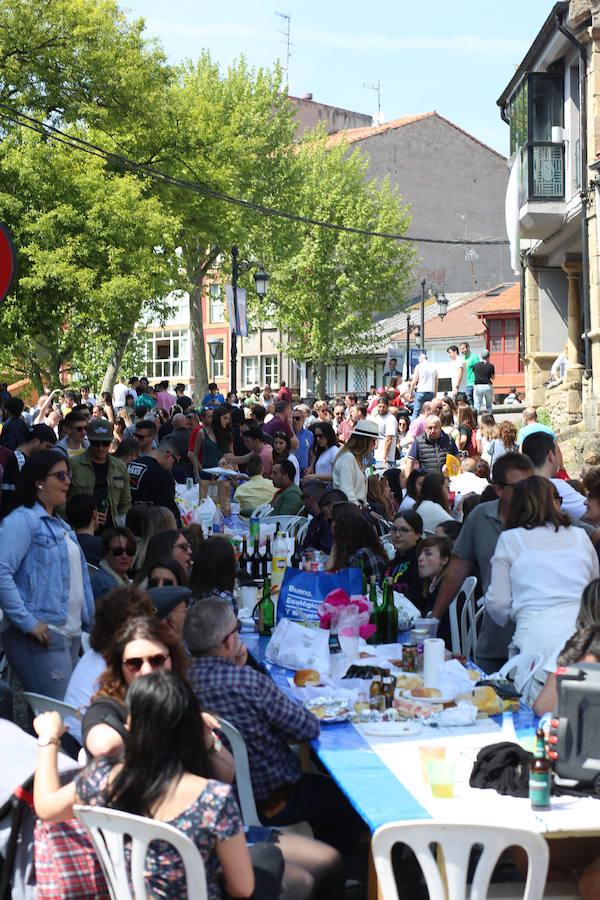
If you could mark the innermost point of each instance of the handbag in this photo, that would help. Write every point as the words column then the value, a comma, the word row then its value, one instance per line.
column 302, row 592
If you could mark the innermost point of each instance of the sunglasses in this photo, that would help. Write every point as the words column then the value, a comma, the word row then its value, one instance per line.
column 79, row 427
column 119, row 551
column 161, row 582
column 62, row 476
column 136, row 662
column 101, row 443
column 236, row 630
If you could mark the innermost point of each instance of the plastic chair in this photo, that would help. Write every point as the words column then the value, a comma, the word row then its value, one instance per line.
column 242, row 772
column 523, row 667
column 110, row 831
column 302, row 529
column 261, row 511
column 289, row 524
column 468, row 621
column 39, row 704
column 455, row 843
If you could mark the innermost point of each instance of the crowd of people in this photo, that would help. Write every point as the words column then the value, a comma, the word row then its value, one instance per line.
column 405, row 482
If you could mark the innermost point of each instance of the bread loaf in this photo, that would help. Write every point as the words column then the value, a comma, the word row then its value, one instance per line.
column 306, row 676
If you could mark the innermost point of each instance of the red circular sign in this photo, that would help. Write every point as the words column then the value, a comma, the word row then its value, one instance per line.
column 8, row 261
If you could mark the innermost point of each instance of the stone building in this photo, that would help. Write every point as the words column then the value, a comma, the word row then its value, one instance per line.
column 551, row 105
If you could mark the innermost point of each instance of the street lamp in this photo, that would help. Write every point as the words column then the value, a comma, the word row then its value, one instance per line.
column 260, row 279
column 213, row 347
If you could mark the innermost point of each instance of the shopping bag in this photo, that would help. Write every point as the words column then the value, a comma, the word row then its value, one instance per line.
column 294, row 646
column 302, row 592
column 219, row 492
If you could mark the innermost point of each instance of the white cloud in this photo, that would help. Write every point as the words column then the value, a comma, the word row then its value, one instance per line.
column 366, row 42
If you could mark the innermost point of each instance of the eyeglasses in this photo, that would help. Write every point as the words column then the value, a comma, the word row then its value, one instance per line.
column 100, row 443
column 161, row 582
column 401, row 530
column 79, row 427
column 135, row 663
column 184, row 546
column 142, row 434
column 280, row 434
column 119, row 551
column 236, row 630
column 62, row 476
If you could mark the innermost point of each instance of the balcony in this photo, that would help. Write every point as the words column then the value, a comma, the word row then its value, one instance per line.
column 542, row 189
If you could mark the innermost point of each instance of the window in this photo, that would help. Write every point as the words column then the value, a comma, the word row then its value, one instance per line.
column 503, row 337
column 167, row 353
column 217, row 307
column 270, row 370
column 217, row 364
column 250, row 375
column 536, row 110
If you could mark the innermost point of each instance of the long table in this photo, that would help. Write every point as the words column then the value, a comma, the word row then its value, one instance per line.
column 382, row 779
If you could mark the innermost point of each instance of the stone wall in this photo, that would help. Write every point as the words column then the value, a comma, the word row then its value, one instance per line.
column 564, row 403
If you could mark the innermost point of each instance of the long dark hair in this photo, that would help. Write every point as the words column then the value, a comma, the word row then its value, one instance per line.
column 351, row 532
column 277, row 457
column 393, row 477
column 432, row 489
column 533, row 503
column 165, row 740
column 147, row 628
column 159, row 546
column 412, row 483
column 330, row 437
column 37, row 467
column 224, row 436
column 214, row 567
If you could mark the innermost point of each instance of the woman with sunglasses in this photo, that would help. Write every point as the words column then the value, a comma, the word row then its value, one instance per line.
column 45, row 591
column 168, row 543
column 325, row 449
column 282, row 449
column 118, row 550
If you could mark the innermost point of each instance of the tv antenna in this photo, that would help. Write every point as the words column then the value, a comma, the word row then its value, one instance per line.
column 378, row 118
column 287, row 34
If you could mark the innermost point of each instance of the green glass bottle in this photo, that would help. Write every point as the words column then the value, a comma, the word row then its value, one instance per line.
column 539, row 774
column 374, row 639
column 361, row 566
column 387, row 615
column 266, row 610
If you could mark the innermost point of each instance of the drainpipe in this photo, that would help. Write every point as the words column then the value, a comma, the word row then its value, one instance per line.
column 583, row 181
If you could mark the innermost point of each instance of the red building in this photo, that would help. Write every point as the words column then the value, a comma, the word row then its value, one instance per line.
column 501, row 315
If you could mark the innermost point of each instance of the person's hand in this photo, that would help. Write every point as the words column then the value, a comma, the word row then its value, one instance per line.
column 49, row 724
column 41, row 634
column 102, row 518
column 445, row 470
column 211, row 722
column 241, row 654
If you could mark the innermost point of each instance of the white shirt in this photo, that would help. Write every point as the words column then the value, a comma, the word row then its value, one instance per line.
column 387, row 425
column 350, row 478
column 459, row 362
column 432, row 514
column 119, row 393
column 468, row 483
column 572, row 502
column 324, row 464
column 426, row 374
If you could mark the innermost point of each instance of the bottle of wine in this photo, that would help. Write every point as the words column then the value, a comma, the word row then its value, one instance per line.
column 266, row 610
column 374, row 639
column 361, row 566
column 296, row 560
column 244, row 561
column 387, row 615
column 268, row 558
column 255, row 567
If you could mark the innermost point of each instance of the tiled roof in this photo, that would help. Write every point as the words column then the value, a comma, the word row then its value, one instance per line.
column 461, row 321
column 351, row 135
column 506, row 301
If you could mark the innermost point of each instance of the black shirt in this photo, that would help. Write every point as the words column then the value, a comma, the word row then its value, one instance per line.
column 152, row 483
column 483, row 372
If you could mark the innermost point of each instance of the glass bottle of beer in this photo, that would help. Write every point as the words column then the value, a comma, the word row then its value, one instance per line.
column 539, row 774
column 388, row 687
column 255, row 566
column 387, row 615
column 266, row 610
column 376, row 699
column 374, row 639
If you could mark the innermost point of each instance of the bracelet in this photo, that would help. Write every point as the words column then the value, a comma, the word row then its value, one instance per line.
column 46, row 740
column 216, row 745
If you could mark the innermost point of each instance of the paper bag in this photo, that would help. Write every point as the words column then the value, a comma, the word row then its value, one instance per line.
column 294, row 646
column 219, row 492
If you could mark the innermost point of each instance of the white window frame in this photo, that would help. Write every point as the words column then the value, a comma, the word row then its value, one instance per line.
column 216, row 303
column 175, row 364
column 217, row 365
column 270, row 369
column 251, row 371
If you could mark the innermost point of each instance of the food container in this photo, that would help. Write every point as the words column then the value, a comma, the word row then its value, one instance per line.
column 409, row 657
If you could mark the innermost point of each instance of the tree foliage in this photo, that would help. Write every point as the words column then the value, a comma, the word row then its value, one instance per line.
column 94, row 248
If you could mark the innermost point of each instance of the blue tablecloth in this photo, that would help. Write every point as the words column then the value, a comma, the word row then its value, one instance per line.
column 371, row 787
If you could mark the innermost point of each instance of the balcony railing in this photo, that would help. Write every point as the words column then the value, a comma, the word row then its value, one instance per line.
column 542, row 172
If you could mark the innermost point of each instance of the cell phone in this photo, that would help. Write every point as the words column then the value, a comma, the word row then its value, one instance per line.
column 256, row 834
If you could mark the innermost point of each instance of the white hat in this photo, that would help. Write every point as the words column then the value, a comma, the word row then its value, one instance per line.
column 366, row 428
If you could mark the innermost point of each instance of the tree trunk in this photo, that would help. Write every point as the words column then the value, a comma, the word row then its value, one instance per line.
column 320, row 379
column 200, row 384
column 112, row 370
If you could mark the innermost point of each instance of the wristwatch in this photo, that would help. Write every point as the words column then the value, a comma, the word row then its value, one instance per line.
column 46, row 739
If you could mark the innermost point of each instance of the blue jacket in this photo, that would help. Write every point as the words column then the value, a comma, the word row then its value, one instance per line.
column 34, row 569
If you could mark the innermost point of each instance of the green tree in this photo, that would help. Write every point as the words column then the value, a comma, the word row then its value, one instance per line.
column 328, row 291
column 95, row 251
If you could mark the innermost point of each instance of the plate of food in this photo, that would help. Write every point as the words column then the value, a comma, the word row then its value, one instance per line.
column 391, row 729
column 428, row 695
column 329, row 709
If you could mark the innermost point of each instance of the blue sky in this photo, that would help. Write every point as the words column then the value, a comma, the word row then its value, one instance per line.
column 455, row 58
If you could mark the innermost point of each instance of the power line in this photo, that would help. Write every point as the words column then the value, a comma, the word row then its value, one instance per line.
column 124, row 162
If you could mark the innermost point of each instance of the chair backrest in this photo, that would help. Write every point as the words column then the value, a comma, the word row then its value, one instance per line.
column 110, row 830
column 302, row 529
column 522, row 668
column 286, row 523
column 466, row 590
column 39, row 704
column 456, row 843
column 261, row 511
column 242, row 772
column 469, row 618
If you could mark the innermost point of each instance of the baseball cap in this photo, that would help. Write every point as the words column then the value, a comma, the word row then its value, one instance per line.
column 99, row 430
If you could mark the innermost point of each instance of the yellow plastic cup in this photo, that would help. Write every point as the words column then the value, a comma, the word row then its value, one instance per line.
column 441, row 779
column 428, row 754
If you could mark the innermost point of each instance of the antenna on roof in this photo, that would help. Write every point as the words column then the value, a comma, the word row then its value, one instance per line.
column 287, row 35
column 378, row 118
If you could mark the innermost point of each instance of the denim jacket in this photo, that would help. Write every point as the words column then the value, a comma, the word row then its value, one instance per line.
column 34, row 569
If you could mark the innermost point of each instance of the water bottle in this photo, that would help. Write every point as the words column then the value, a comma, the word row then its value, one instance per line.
column 218, row 521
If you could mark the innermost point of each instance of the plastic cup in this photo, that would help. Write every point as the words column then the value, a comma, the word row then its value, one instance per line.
column 428, row 754
column 441, row 778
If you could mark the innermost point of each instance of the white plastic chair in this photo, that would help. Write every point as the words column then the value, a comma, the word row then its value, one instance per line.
column 288, row 524
column 110, row 829
column 242, row 772
column 302, row 529
column 261, row 511
column 522, row 668
column 464, row 640
column 455, row 843
column 39, row 704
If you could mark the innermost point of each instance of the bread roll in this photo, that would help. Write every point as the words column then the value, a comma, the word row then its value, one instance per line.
column 307, row 676
column 425, row 692
column 408, row 682
column 485, row 699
